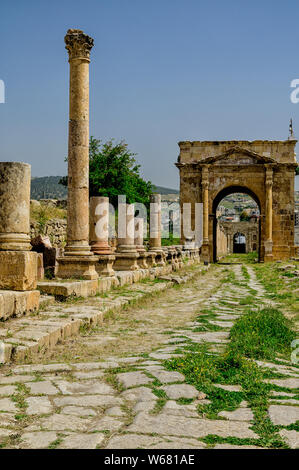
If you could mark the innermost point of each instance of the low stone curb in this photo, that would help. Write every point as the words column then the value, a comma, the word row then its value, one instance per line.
column 24, row 337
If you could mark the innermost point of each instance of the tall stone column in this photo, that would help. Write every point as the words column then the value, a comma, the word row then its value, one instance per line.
column 99, row 235
column 155, row 229
column 138, row 240
column 78, row 260
column 205, row 249
column 155, row 222
column 126, row 253
column 18, row 265
column 269, row 215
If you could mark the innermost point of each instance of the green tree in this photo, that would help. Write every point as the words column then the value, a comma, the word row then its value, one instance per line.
column 113, row 171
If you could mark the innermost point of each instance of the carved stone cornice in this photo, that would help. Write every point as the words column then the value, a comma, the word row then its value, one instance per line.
column 78, row 44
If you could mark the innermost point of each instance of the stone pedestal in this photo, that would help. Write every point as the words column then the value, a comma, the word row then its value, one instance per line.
column 77, row 267
column 78, row 261
column 104, row 266
column 18, row 270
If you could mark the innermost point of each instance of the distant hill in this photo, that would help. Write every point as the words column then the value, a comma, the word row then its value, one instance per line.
column 162, row 190
column 48, row 187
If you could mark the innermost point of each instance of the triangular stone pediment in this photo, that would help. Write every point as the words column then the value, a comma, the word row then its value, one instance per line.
column 238, row 156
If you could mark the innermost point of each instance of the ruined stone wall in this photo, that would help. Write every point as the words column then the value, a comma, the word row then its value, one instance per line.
column 250, row 229
column 55, row 229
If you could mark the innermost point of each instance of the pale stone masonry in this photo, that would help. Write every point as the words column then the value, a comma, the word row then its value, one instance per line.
column 78, row 260
column 155, row 229
column 99, row 235
column 126, row 254
column 263, row 169
column 18, row 265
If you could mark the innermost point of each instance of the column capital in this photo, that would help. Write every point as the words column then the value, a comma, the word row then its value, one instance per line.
column 78, row 44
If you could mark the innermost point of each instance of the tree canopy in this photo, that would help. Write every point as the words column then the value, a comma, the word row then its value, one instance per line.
column 113, row 171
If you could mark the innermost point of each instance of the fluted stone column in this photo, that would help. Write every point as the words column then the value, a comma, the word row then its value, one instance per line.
column 18, row 265
column 138, row 241
column 155, row 229
column 126, row 253
column 205, row 250
column 78, row 259
column 269, row 215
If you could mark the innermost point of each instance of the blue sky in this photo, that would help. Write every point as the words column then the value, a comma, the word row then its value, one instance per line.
column 161, row 71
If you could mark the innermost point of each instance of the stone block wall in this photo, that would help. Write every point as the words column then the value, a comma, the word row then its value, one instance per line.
column 55, row 229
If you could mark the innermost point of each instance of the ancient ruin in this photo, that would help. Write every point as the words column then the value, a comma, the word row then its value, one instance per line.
column 265, row 170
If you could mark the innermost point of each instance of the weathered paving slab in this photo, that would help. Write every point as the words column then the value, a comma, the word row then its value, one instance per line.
column 78, row 411
column 82, row 441
column 290, row 437
column 242, row 414
column 166, row 424
column 61, row 422
column 41, row 388
column 180, row 391
column 287, row 383
column 39, row 439
column 88, row 400
column 38, row 405
column 133, row 379
column 86, row 387
column 166, row 377
column 284, row 415
column 7, row 405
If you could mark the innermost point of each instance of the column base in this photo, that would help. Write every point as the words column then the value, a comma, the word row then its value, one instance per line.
column 75, row 251
column 142, row 260
column 104, row 267
column 77, row 267
column 160, row 256
column 18, row 270
column 151, row 259
column 100, row 248
column 126, row 261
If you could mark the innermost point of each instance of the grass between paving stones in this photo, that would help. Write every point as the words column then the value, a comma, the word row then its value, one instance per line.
column 256, row 335
column 281, row 289
column 203, row 370
column 262, row 334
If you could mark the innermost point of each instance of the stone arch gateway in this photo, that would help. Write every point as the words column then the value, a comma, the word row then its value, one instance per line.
column 264, row 169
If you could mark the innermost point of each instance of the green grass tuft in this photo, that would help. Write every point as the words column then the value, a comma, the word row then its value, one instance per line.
column 262, row 334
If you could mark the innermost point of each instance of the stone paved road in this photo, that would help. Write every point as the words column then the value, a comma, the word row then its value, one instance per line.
column 89, row 403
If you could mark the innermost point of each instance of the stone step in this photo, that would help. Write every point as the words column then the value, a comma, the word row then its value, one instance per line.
column 25, row 337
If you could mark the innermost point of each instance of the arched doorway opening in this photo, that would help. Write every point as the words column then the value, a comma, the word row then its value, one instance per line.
column 239, row 243
column 236, row 222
